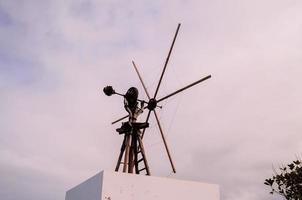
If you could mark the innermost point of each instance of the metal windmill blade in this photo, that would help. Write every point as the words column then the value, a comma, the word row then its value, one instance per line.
column 157, row 119
column 152, row 101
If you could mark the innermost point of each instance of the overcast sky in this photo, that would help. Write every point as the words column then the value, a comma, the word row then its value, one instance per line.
column 56, row 56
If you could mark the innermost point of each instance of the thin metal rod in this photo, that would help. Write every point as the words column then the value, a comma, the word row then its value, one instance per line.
column 120, row 119
column 165, row 143
column 167, row 60
column 146, row 91
column 148, row 116
column 124, row 96
column 184, row 88
column 141, row 80
column 119, row 94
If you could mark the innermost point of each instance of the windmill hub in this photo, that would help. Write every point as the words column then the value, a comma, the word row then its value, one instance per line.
column 152, row 104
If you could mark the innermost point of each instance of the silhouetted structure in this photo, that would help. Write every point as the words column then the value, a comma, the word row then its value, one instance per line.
column 132, row 149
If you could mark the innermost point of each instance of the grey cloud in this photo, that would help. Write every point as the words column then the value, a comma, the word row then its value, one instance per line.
column 56, row 133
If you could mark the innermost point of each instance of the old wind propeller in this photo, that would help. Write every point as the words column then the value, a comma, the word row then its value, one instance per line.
column 152, row 104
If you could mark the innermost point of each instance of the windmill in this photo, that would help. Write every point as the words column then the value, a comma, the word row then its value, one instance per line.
column 132, row 149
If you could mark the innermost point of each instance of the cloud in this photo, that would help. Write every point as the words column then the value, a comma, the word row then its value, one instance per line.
column 56, row 56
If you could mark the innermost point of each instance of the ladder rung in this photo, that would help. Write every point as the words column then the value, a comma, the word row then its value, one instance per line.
column 142, row 169
column 140, row 160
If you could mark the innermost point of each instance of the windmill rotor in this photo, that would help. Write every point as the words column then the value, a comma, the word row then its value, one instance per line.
column 154, row 102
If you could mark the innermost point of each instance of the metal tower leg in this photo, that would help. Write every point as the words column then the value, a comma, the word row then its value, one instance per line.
column 126, row 157
column 121, row 155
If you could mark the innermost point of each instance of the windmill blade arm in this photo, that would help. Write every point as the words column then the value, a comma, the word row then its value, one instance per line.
column 120, row 119
column 148, row 116
column 141, row 79
column 184, row 88
column 165, row 143
column 167, row 60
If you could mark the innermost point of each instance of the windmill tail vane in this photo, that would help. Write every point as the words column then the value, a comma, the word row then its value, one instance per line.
column 132, row 153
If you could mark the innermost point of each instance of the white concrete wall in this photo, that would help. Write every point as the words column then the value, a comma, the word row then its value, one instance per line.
column 91, row 189
column 119, row 186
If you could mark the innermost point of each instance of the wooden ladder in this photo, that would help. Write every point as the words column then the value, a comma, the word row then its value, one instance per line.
column 133, row 154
